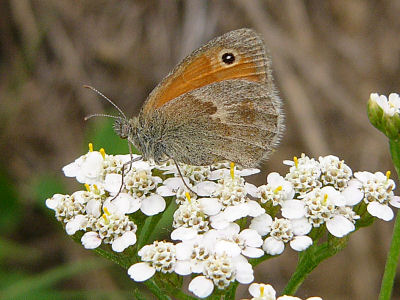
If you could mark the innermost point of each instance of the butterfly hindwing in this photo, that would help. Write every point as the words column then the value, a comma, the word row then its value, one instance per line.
column 233, row 120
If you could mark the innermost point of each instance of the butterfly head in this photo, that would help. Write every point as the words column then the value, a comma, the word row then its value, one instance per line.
column 125, row 128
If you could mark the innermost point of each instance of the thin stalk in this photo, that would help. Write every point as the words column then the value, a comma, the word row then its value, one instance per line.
column 394, row 251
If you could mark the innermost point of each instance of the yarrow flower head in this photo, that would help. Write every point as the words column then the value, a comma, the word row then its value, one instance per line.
column 378, row 193
column 277, row 190
column 304, row 174
column 219, row 220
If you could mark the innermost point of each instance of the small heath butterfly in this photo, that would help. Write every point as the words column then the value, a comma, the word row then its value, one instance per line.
column 219, row 103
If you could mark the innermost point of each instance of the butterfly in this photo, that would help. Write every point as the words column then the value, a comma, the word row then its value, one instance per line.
column 219, row 103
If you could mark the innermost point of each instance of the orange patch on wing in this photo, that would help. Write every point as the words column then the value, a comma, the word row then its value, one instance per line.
column 204, row 70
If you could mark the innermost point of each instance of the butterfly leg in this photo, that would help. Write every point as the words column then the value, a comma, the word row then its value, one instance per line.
column 180, row 174
column 123, row 173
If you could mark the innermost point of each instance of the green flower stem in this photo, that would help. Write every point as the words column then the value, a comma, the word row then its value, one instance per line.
column 394, row 251
column 310, row 259
column 154, row 288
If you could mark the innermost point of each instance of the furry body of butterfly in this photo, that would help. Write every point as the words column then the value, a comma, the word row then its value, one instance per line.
column 219, row 103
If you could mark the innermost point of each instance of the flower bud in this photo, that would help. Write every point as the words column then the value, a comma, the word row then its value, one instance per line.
column 384, row 114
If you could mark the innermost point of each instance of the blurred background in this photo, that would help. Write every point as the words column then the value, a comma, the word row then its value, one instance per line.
column 328, row 56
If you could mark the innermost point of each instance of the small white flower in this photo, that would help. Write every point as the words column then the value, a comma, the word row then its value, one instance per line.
column 327, row 205
column 189, row 214
column 304, row 174
column 160, row 255
column 378, row 193
column 87, row 168
column 277, row 189
column 282, row 232
column 261, row 291
column 334, row 172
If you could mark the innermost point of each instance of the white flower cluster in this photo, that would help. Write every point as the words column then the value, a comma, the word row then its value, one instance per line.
column 95, row 211
column 211, row 236
column 261, row 291
column 390, row 105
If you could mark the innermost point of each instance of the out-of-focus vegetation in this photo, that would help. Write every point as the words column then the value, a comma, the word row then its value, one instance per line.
column 328, row 56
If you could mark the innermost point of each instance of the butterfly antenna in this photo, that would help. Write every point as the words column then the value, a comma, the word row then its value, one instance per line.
column 102, row 95
column 101, row 115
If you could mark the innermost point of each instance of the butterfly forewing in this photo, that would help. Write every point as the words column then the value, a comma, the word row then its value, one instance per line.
column 238, row 54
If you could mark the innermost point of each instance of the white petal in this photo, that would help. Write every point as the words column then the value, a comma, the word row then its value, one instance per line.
column 152, row 205
column 182, row 268
column 339, row 226
column 301, row 226
column 183, row 233
column 254, row 208
column 201, row 286
column 183, row 250
column 272, row 246
column 252, row 252
column 93, row 207
column 72, row 169
column 380, row 211
column 244, row 272
column 175, row 183
column 274, row 179
column 54, row 201
column 91, row 240
column 124, row 241
column 395, row 201
column 293, row 209
column 352, row 195
column 219, row 221
column 210, row 206
column 205, row 188
column 251, row 238
column 165, row 191
column 229, row 248
column 247, row 172
column 126, row 203
column 301, row 243
column 233, row 213
column 75, row 224
column 262, row 224
column 141, row 271
column 218, row 174
column 112, row 183
column 268, row 290
column 141, row 165
column 288, row 162
column 229, row 231
column 252, row 190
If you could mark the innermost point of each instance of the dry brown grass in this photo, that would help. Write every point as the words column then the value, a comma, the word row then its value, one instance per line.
column 328, row 56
